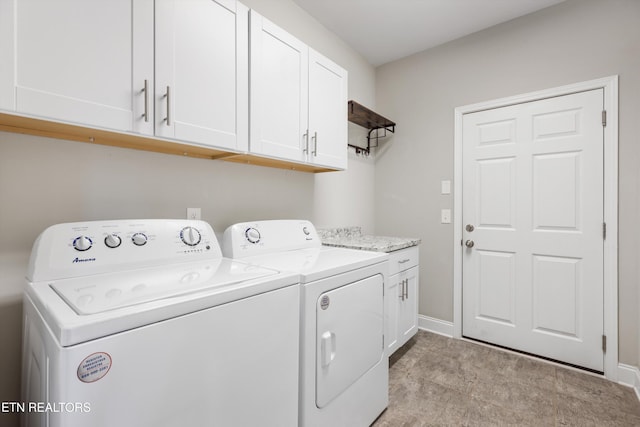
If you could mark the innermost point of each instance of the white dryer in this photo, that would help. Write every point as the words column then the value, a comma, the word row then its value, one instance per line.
column 343, row 366
column 144, row 323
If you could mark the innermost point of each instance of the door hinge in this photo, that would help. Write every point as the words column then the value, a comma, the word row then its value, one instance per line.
column 604, row 343
column 604, row 230
column 461, row 242
column 604, row 118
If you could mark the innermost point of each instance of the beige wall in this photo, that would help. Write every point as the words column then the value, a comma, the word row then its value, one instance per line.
column 575, row 41
column 45, row 181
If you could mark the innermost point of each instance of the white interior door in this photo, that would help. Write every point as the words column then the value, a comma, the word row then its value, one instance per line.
column 533, row 207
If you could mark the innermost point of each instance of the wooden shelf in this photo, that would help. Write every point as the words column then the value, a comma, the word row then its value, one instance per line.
column 71, row 132
column 251, row 159
column 361, row 115
column 366, row 118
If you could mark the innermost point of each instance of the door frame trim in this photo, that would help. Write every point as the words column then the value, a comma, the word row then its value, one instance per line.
column 610, row 309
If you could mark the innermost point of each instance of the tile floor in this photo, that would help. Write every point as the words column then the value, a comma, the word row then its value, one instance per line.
column 437, row 381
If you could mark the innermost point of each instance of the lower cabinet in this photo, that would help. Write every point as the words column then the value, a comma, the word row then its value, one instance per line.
column 401, row 298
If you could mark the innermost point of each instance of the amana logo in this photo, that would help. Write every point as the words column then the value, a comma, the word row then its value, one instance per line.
column 76, row 259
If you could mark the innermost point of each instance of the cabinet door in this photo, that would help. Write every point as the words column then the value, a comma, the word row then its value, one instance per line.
column 79, row 61
column 202, row 58
column 7, row 53
column 327, row 112
column 392, row 296
column 408, row 312
column 279, row 74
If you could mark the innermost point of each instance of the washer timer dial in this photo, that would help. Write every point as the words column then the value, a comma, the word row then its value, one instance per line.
column 252, row 235
column 139, row 239
column 82, row 243
column 190, row 236
column 112, row 241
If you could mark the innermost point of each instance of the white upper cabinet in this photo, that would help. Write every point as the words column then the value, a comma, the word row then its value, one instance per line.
column 201, row 88
column 327, row 112
column 278, row 91
column 7, row 56
column 298, row 99
column 80, row 61
column 171, row 68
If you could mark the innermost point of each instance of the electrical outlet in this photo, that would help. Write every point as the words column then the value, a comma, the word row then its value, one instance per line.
column 445, row 216
column 194, row 213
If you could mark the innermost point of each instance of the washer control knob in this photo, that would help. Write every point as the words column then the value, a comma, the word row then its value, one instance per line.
column 252, row 235
column 190, row 236
column 139, row 239
column 82, row 243
column 112, row 241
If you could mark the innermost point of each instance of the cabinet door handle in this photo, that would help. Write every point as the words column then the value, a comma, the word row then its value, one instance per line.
column 315, row 144
column 145, row 89
column 406, row 288
column 403, row 289
column 306, row 144
column 168, row 96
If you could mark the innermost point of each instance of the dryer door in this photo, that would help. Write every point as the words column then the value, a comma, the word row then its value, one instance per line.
column 349, row 335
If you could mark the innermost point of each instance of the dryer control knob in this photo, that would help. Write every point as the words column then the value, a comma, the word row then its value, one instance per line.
column 190, row 236
column 252, row 235
column 112, row 241
column 139, row 239
column 82, row 243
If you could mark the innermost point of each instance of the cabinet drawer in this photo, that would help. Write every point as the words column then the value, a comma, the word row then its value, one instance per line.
column 403, row 259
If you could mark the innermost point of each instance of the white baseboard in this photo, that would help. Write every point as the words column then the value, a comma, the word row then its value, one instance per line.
column 630, row 376
column 436, row 326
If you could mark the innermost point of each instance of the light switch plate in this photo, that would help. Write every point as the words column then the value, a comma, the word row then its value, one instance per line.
column 445, row 187
column 445, row 216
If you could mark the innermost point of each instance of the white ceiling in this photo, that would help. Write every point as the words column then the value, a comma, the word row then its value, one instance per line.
column 386, row 30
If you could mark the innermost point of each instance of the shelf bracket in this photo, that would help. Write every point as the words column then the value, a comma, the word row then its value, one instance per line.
column 368, row 119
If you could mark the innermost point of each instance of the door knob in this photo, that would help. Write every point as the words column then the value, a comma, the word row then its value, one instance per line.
column 469, row 243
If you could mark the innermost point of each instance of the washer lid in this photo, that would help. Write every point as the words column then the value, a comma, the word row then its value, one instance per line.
column 106, row 292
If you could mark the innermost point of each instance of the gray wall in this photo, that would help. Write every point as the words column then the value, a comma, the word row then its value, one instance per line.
column 45, row 181
column 575, row 41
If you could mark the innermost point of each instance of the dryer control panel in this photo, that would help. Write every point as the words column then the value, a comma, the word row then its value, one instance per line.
column 94, row 247
column 262, row 237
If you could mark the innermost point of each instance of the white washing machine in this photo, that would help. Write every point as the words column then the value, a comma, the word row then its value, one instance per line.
column 343, row 367
column 144, row 323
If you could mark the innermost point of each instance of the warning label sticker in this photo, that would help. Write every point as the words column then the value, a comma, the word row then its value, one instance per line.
column 94, row 367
